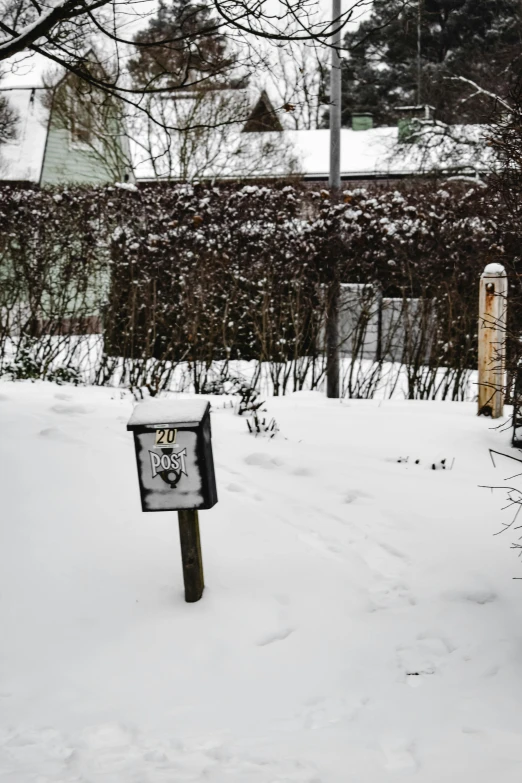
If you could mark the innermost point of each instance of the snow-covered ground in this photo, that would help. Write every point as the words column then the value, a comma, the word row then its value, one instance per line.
column 360, row 623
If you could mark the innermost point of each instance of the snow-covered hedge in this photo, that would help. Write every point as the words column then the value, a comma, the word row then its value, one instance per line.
column 172, row 275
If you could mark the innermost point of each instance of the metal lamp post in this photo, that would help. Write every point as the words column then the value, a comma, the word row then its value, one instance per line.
column 332, row 313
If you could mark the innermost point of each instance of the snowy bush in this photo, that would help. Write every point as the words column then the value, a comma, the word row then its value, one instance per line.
column 145, row 282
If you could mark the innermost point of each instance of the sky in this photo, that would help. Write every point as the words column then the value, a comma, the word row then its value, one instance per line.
column 28, row 69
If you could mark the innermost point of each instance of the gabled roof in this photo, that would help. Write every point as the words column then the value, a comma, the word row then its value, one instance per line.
column 22, row 158
column 262, row 117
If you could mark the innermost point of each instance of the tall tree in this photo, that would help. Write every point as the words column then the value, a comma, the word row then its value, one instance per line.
column 182, row 46
column 409, row 53
column 62, row 31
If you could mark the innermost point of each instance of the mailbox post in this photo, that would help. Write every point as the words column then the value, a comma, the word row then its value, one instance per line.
column 172, row 439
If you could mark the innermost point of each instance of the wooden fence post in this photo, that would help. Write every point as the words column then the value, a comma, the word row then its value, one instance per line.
column 492, row 341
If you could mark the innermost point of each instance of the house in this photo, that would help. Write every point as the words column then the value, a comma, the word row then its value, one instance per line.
column 260, row 148
column 62, row 135
column 213, row 135
column 379, row 154
column 67, row 135
column 417, row 145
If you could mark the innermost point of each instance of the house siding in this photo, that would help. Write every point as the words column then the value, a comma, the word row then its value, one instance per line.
column 65, row 162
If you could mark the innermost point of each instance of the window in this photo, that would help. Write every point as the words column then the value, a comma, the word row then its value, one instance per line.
column 81, row 121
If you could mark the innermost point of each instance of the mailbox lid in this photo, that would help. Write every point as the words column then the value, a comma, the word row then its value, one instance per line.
column 158, row 413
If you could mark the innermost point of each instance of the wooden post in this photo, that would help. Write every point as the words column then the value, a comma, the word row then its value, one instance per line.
column 191, row 554
column 492, row 341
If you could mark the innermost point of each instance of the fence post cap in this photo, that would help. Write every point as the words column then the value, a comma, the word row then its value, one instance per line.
column 494, row 270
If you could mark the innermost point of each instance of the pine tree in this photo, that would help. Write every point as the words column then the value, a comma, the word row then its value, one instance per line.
column 475, row 39
column 182, row 46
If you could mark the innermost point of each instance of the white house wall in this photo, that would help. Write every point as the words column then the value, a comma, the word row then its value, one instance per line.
column 22, row 158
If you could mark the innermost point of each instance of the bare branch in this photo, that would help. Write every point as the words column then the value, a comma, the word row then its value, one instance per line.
column 479, row 90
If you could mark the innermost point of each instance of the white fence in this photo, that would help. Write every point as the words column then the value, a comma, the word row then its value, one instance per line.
column 383, row 328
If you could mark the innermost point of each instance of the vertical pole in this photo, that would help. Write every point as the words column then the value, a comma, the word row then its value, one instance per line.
column 492, row 341
column 419, row 52
column 332, row 311
column 335, row 99
column 332, row 339
column 191, row 554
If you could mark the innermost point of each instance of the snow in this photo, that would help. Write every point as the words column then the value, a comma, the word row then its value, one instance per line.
column 376, row 152
column 126, row 186
column 472, row 180
column 364, row 154
column 22, row 158
column 154, row 412
column 494, row 270
column 359, row 622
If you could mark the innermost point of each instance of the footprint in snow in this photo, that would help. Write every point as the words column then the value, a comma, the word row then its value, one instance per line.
column 45, row 744
column 72, row 409
column 323, row 545
column 391, row 596
column 398, row 754
column 479, row 597
column 234, row 488
column 319, row 714
column 55, row 433
column 275, row 636
column 4, row 398
column 386, row 561
column 423, row 659
column 356, row 494
column 302, row 471
column 107, row 737
column 239, row 489
column 63, row 396
column 263, row 461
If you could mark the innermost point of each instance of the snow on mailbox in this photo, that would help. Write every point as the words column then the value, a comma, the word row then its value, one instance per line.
column 176, row 472
column 174, row 454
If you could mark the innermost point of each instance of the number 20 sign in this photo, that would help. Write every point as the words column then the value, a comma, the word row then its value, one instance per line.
column 165, row 437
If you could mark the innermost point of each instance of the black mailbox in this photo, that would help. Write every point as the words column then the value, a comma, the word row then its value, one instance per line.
column 173, row 446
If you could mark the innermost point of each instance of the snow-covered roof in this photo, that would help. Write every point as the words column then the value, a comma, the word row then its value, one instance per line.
column 377, row 153
column 21, row 159
column 365, row 154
